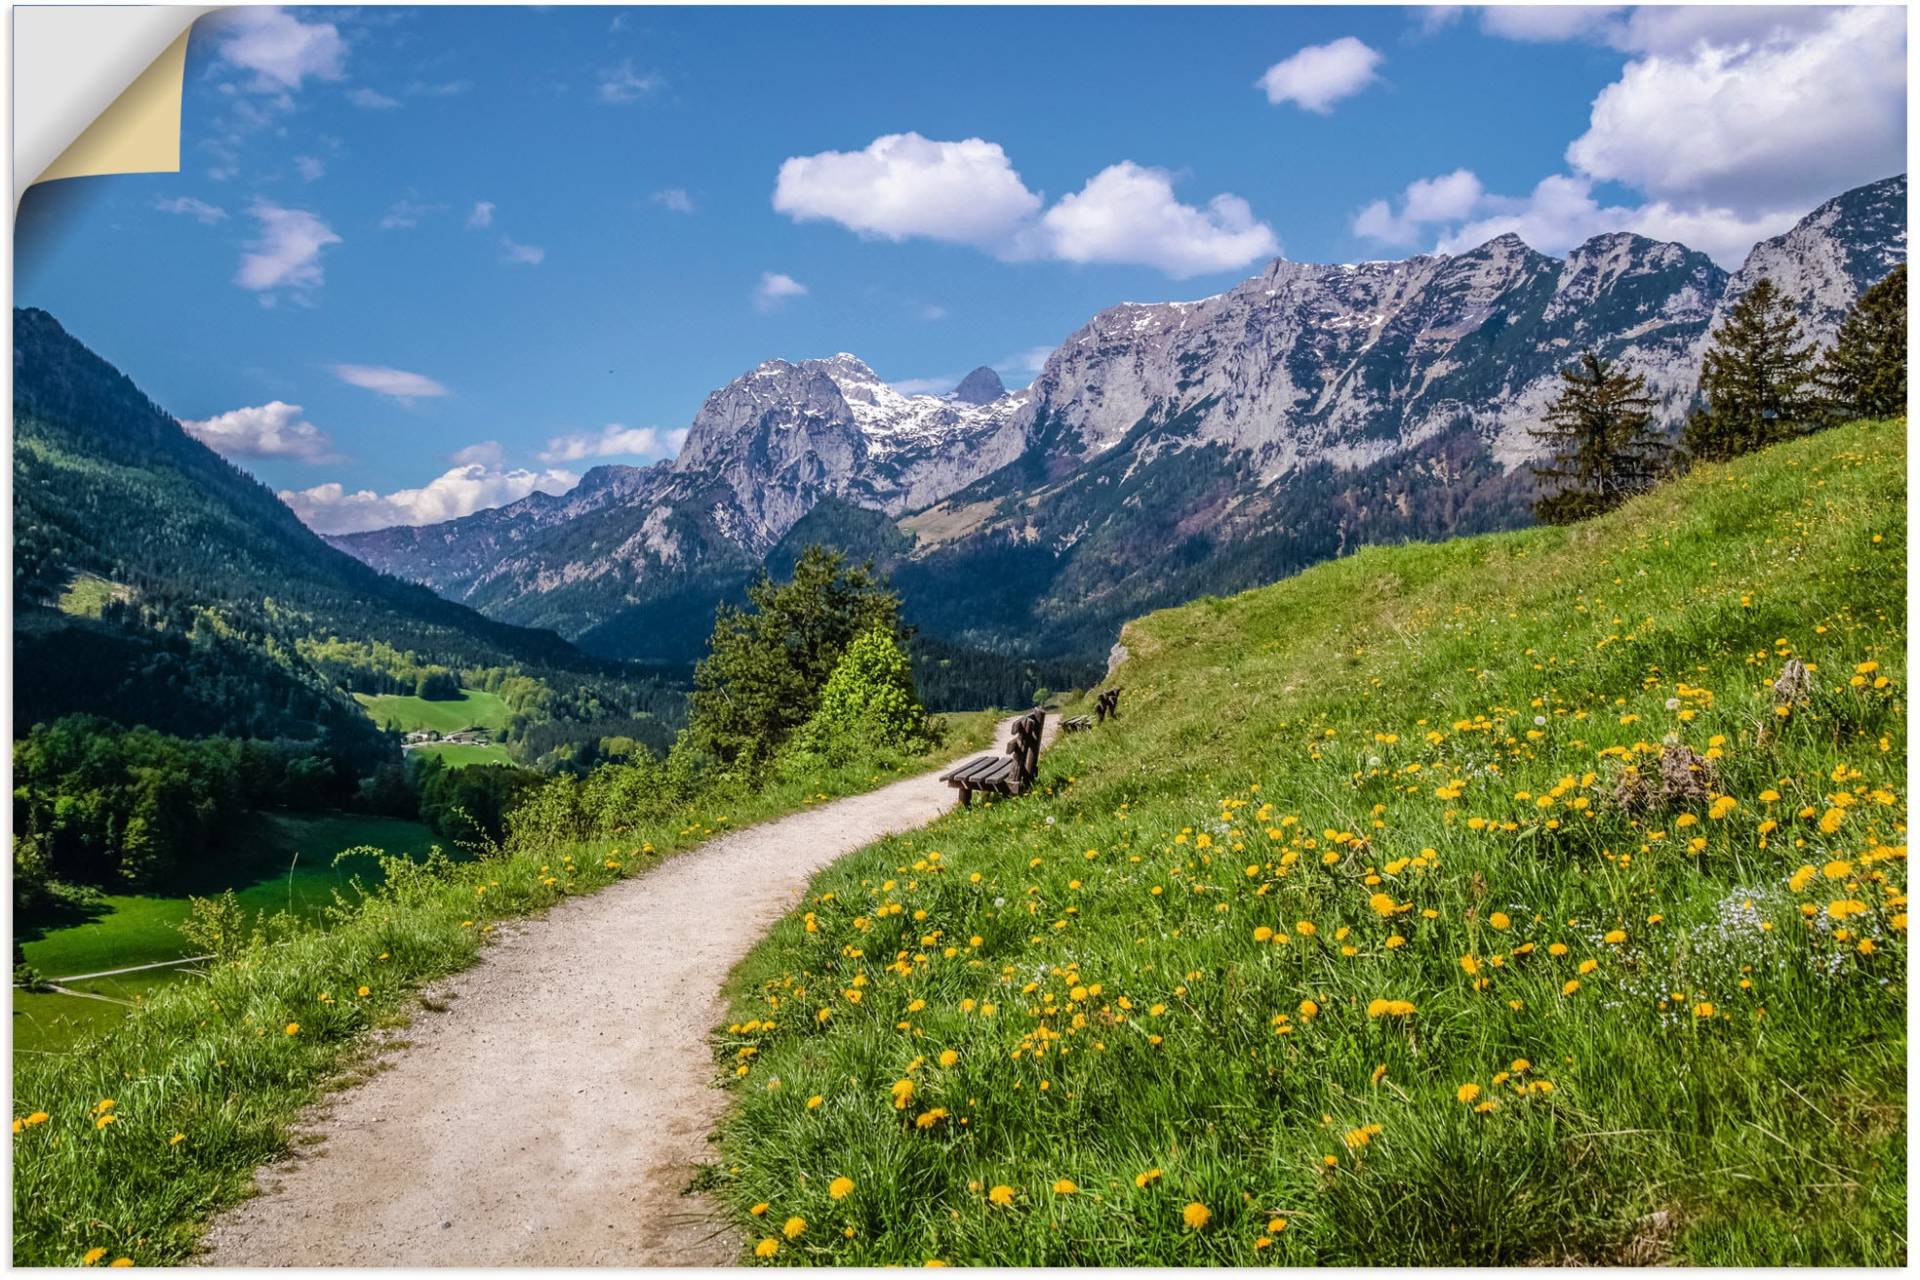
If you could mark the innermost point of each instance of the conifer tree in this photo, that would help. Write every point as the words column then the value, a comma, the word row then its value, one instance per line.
column 1864, row 374
column 1600, row 443
column 1756, row 382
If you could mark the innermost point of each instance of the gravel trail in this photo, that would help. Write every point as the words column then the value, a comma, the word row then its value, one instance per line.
column 554, row 1109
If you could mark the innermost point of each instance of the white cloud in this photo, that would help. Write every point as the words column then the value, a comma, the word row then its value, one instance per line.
column 445, row 89
column 371, row 100
column 1790, row 120
column 1022, row 365
column 1561, row 212
column 331, row 508
column 967, row 192
column 1447, row 198
column 271, row 430
column 1438, row 17
column 933, row 311
column 310, row 168
column 280, row 50
column 905, row 185
column 488, row 452
column 676, row 439
column 622, row 84
column 1549, row 22
column 1321, row 74
column 396, row 383
column 407, row 213
column 482, row 215
column 285, row 251
column 531, row 255
column 1729, row 122
column 613, row 441
column 775, row 288
column 199, row 210
column 1128, row 213
column 674, row 198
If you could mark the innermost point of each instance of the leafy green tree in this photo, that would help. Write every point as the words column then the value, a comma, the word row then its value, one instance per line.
column 1601, row 445
column 767, row 663
column 869, row 703
column 1756, row 383
column 1864, row 374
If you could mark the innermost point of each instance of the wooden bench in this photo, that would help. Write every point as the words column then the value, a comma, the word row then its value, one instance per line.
column 1009, row 774
column 1076, row 724
column 1107, row 705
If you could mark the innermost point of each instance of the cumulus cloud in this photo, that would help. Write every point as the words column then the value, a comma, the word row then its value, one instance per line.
column 482, row 215
column 776, row 288
column 613, row 441
column 903, row 185
column 530, row 255
column 675, row 439
column 1447, row 198
column 279, row 49
column 310, row 168
column 1321, row 74
column 271, row 430
column 285, row 251
column 1782, row 108
column 674, row 198
column 332, row 508
column 1128, row 213
column 396, row 383
column 199, row 210
column 1791, row 119
column 371, row 99
column 622, row 84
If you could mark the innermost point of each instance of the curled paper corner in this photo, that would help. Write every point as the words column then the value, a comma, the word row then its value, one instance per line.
column 97, row 90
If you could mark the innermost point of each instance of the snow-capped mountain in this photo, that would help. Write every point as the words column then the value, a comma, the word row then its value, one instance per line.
column 1164, row 448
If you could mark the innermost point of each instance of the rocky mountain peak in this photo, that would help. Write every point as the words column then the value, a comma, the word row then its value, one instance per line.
column 982, row 386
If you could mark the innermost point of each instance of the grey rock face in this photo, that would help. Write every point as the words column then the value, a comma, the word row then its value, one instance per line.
column 982, row 386
column 1349, row 366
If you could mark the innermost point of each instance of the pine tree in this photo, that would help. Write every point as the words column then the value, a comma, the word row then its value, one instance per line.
column 1756, row 381
column 1601, row 446
column 1864, row 375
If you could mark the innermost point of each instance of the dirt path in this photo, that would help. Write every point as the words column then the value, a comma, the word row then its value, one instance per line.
column 554, row 1112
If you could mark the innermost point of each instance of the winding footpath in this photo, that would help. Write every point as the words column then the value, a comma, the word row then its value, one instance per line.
column 554, row 1109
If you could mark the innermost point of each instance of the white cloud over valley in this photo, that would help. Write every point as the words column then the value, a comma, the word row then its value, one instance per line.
column 466, row 488
column 271, row 430
column 775, row 290
column 905, row 186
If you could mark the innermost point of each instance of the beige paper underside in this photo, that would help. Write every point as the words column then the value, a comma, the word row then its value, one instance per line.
column 139, row 132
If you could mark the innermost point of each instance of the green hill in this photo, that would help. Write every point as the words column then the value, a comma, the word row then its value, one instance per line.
column 1516, row 899
column 156, row 583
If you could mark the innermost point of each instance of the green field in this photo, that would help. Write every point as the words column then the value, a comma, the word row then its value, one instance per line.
column 460, row 754
column 1483, row 902
column 473, row 709
column 293, row 871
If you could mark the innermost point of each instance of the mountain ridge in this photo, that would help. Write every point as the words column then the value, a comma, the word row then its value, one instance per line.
column 1219, row 414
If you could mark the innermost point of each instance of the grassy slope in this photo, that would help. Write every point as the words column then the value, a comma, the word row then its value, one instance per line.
column 1433, row 731
column 474, row 708
column 144, row 928
column 458, row 755
column 227, row 1063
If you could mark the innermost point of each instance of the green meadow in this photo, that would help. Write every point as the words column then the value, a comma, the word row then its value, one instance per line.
column 473, row 709
column 293, row 870
column 1530, row 898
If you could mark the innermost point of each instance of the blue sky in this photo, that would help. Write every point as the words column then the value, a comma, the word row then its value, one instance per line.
column 422, row 260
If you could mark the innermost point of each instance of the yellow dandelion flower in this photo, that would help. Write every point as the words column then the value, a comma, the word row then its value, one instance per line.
column 793, row 1228
column 840, row 1188
column 766, row 1248
column 1001, row 1195
column 1467, row 1092
column 1196, row 1215
column 1065, row 1187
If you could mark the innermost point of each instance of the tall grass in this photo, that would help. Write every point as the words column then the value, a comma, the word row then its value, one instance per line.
column 124, row 1146
column 1480, row 902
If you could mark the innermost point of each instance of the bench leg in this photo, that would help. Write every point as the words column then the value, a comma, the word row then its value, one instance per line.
column 966, row 796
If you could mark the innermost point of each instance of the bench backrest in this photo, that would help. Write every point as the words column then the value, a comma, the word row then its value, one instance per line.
column 1024, row 744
